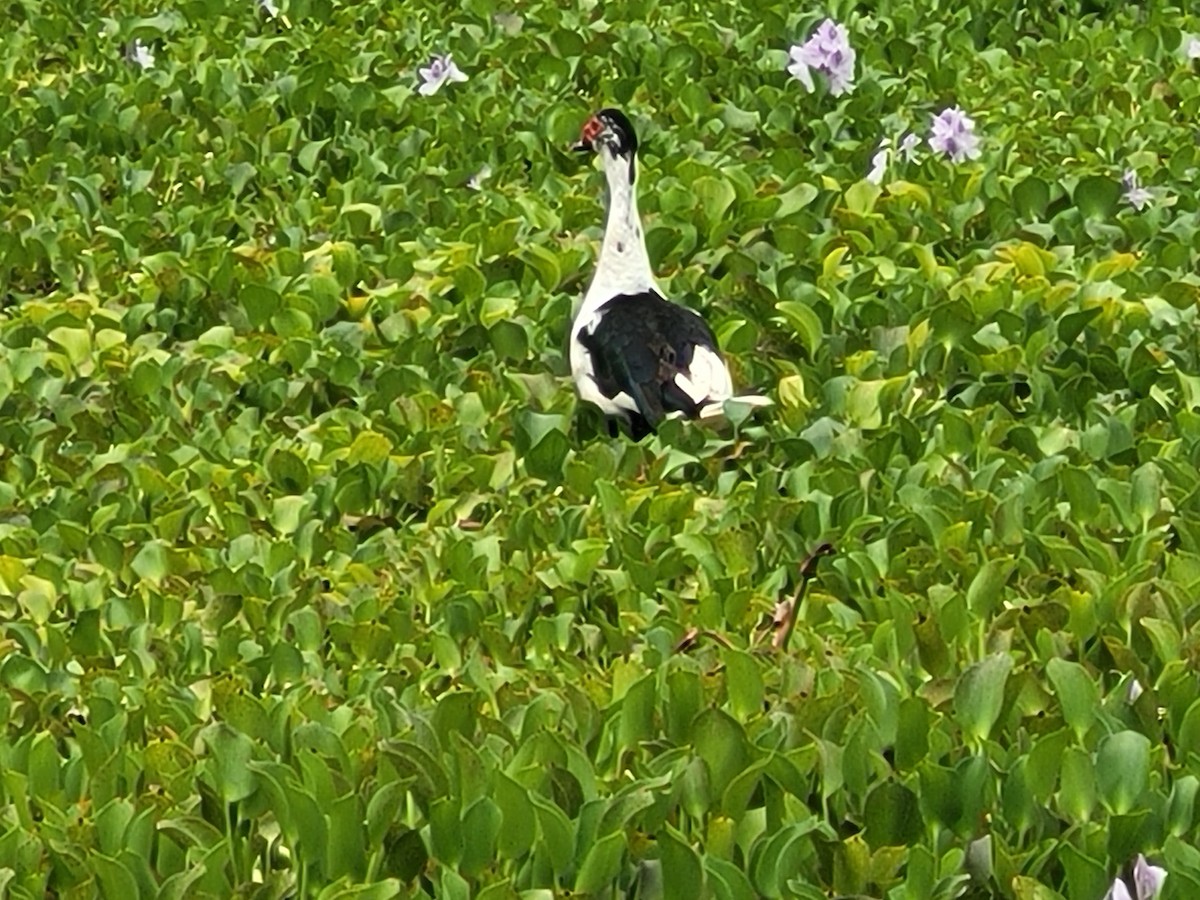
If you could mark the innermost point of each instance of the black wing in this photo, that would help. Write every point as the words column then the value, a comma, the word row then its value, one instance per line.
column 639, row 345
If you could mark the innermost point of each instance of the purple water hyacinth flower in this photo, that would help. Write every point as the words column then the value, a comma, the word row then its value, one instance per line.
column 1148, row 879
column 1134, row 691
column 141, row 55
column 440, row 70
column 879, row 162
column 1135, row 195
column 889, row 152
column 828, row 51
column 1147, row 883
column 952, row 133
column 475, row 182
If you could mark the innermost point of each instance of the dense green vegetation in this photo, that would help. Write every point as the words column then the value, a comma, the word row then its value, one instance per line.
column 315, row 581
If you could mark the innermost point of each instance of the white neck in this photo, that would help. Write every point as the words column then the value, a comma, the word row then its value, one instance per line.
column 624, row 266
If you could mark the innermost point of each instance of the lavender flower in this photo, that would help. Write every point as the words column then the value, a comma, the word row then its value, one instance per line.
column 953, row 135
column 889, row 153
column 1148, row 879
column 1147, row 883
column 879, row 162
column 441, row 69
column 1133, row 691
column 475, row 182
column 141, row 55
column 1135, row 195
column 827, row 50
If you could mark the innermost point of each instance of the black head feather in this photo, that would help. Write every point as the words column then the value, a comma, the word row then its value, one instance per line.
column 617, row 124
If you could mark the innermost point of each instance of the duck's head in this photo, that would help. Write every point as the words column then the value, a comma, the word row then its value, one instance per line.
column 610, row 134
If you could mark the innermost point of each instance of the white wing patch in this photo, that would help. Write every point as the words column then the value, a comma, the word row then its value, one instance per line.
column 707, row 378
column 583, row 371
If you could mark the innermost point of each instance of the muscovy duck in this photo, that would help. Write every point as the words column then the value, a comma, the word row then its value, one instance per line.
column 634, row 354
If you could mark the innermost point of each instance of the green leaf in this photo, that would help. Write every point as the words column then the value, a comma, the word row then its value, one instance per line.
column 517, row 836
column 115, row 877
column 307, row 157
column 229, row 752
column 637, row 712
column 1146, row 499
column 383, row 809
column 728, row 881
column 482, row 822
column 778, row 859
column 556, row 837
column 1077, row 795
column 803, row 322
column 347, row 844
column 76, row 343
column 369, row 447
column 714, row 196
column 979, row 695
column 1096, row 196
column 219, row 336
column 152, row 561
column 286, row 514
column 893, row 816
column 362, row 218
column 545, row 460
column 1077, row 693
column 912, row 733
column 38, row 598
column 1181, row 807
column 862, row 196
column 601, row 864
column 446, row 835
column 1123, row 770
column 721, row 743
column 682, row 870
column 260, row 303
column 744, row 683
column 543, row 263
column 984, row 592
column 509, row 340
column 1031, row 197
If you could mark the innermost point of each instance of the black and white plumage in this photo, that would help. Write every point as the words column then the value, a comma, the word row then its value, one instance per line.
column 634, row 354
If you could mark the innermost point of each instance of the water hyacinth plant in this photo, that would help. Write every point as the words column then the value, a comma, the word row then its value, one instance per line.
column 317, row 579
column 827, row 51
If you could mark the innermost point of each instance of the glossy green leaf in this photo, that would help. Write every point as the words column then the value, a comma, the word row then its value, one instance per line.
column 979, row 695
column 1122, row 769
column 1077, row 693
